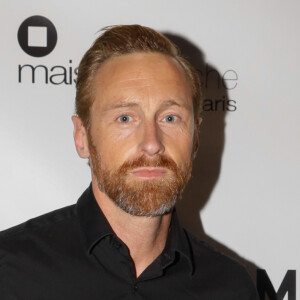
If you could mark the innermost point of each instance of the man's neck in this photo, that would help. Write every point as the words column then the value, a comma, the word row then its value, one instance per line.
column 145, row 237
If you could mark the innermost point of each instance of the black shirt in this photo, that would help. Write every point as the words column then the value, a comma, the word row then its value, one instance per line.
column 72, row 253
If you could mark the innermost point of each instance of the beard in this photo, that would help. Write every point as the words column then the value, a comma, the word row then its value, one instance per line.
column 141, row 197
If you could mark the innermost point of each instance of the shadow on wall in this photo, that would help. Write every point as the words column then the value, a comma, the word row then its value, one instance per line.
column 206, row 166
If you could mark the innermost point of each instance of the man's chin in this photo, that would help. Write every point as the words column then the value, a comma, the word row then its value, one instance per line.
column 156, row 208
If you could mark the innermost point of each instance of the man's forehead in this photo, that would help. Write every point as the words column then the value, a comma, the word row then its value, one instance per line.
column 139, row 69
column 141, row 75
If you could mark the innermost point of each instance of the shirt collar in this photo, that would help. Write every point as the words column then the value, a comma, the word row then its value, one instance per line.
column 93, row 223
column 95, row 227
column 178, row 241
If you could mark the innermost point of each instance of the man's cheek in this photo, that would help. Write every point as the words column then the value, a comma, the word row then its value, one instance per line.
column 178, row 150
column 116, row 133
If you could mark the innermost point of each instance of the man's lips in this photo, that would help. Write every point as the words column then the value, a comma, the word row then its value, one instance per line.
column 148, row 172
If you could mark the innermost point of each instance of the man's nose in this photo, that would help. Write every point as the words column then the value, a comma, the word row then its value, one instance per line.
column 151, row 142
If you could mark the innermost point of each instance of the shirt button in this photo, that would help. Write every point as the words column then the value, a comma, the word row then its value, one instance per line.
column 135, row 287
column 168, row 256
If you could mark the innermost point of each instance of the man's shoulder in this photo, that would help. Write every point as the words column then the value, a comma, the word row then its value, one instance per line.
column 49, row 222
column 201, row 248
column 209, row 257
column 220, row 269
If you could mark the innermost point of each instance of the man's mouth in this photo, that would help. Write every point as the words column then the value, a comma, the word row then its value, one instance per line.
column 148, row 172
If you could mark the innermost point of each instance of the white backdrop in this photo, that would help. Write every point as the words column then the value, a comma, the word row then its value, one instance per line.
column 254, row 206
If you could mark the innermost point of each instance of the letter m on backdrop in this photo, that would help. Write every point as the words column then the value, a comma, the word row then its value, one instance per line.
column 266, row 290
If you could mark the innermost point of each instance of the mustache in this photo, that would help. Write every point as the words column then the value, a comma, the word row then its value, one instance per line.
column 159, row 160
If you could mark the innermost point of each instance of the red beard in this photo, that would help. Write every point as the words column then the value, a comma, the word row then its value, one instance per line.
column 141, row 197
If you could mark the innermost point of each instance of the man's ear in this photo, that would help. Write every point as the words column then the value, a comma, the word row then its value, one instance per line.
column 199, row 121
column 80, row 138
column 196, row 137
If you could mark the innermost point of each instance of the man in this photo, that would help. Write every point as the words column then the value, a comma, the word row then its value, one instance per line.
column 137, row 105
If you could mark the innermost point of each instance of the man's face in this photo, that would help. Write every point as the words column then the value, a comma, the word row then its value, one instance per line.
column 141, row 135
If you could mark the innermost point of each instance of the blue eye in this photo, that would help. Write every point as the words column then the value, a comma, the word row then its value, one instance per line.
column 124, row 118
column 171, row 118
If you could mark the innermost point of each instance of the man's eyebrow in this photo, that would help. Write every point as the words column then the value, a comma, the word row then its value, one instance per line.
column 121, row 104
column 171, row 102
